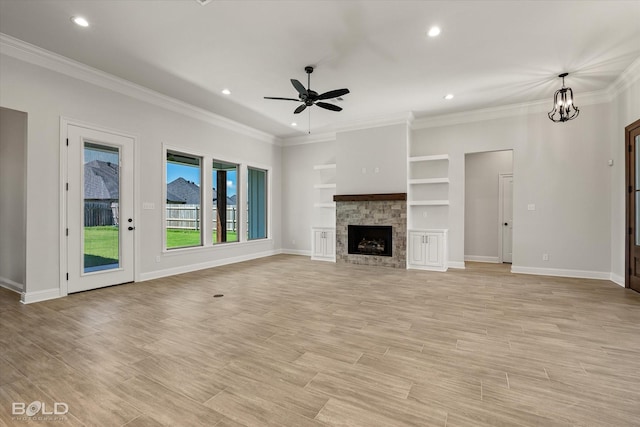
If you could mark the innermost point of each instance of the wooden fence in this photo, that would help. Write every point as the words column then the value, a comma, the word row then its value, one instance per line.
column 98, row 213
column 187, row 217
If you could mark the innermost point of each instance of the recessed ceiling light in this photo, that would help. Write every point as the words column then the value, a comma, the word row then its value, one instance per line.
column 80, row 21
column 448, row 96
column 226, row 91
column 434, row 31
column 294, row 124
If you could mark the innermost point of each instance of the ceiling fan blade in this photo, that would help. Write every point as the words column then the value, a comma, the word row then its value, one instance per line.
column 333, row 94
column 300, row 109
column 299, row 87
column 282, row 99
column 328, row 106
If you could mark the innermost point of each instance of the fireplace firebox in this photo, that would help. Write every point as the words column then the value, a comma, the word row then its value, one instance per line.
column 370, row 240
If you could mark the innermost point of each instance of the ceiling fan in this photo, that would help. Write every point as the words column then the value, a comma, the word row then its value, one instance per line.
column 309, row 97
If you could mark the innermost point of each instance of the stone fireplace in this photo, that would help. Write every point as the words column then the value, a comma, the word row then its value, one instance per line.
column 377, row 227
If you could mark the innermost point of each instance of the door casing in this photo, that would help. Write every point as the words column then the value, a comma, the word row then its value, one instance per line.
column 630, row 178
column 501, row 178
column 65, row 122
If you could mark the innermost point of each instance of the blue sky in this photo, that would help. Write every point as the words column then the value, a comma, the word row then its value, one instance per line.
column 192, row 173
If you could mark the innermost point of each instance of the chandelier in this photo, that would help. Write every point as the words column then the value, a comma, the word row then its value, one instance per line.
column 563, row 107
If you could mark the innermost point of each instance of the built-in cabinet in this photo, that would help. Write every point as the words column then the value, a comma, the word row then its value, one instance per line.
column 428, row 209
column 323, row 232
column 427, row 250
column 323, row 244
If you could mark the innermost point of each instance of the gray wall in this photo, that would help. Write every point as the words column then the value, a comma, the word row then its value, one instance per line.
column 562, row 168
column 372, row 160
column 47, row 96
column 13, row 146
column 481, row 196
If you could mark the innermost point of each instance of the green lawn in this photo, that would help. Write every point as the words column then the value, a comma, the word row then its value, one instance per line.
column 100, row 246
column 101, row 243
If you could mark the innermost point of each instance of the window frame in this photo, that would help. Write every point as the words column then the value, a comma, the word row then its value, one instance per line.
column 239, row 215
column 203, row 182
column 267, row 202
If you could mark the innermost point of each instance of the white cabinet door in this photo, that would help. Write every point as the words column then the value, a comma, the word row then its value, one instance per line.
column 427, row 249
column 416, row 248
column 317, row 242
column 323, row 244
column 433, row 250
column 330, row 244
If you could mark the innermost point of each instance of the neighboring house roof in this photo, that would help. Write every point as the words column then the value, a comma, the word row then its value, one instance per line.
column 101, row 181
column 174, row 198
column 231, row 200
column 183, row 191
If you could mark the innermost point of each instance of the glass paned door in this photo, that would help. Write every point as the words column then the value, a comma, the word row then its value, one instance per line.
column 100, row 227
column 101, row 242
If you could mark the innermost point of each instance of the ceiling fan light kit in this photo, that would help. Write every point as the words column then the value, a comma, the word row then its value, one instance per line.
column 310, row 97
column 563, row 107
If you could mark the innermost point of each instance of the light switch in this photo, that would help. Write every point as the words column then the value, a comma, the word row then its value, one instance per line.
column 148, row 205
column 364, row 170
column 531, row 207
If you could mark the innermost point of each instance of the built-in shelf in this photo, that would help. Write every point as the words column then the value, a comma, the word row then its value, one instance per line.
column 328, row 166
column 325, row 205
column 429, row 158
column 324, row 186
column 429, row 181
column 429, row 203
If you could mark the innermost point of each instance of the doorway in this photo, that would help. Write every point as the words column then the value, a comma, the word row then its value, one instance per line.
column 488, row 206
column 632, row 270
column 100, row 227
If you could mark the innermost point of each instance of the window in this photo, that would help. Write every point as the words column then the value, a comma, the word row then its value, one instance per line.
column 225, row 202
column 257, row 204
column 184, row 196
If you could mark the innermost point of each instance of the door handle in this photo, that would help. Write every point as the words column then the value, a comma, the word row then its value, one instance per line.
column 506, row 223
column 131, row 228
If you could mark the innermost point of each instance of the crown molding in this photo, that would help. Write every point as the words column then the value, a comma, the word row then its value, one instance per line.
column 629, row 76
column 308, row 139
column 626, row 79
column 32, row 54
column 390, row 120
column 503, row 111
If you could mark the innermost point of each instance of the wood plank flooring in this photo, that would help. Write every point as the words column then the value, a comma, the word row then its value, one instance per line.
column 301, row 343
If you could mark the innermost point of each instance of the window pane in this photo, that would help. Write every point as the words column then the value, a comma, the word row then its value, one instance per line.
column 101, row 201
column 184, row 208
column 225, row 206
column 257, row 204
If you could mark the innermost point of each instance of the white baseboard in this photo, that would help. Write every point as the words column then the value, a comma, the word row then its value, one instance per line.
column 561, row 272
column 204, row 265
column 618, row 280
column 11, row 285
column 38, row 296
column 456, row 264
column 295, row 252
column 481, row 258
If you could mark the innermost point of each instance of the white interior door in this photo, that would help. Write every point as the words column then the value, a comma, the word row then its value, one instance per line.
column 507, row 217
column 100, row 201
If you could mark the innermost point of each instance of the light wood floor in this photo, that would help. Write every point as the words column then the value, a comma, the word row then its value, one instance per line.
column 301, row 343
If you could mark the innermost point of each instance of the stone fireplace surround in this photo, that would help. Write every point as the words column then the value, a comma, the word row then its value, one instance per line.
column 372, row 209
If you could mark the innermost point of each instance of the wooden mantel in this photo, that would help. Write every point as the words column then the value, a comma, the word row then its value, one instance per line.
column 369, row 197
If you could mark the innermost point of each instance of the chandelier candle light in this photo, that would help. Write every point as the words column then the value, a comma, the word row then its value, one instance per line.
column 563, row 107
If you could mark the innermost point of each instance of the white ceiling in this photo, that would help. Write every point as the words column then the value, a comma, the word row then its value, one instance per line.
column 490, row 53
